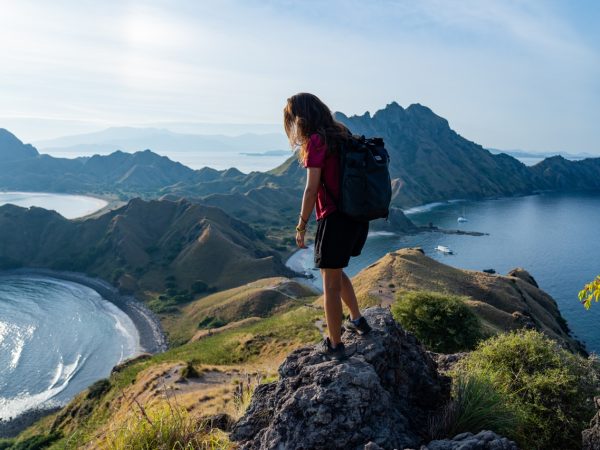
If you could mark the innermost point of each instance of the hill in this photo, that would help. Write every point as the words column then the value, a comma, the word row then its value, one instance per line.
column 142, row 246
column 222, row 310
column 501, row 302
column 12, row 149
column 228, row 359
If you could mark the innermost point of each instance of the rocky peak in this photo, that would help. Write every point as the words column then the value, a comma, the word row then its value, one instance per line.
column 383, row 393
column 12, row 149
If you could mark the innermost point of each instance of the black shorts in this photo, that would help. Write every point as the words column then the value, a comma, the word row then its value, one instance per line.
column 338, row 238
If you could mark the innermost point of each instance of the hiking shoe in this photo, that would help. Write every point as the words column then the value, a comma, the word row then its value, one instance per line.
column 362, row 327
column 338, row 353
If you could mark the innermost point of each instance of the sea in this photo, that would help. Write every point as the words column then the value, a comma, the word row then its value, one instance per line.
column 554, row 236
column 56, row 337
column 70, row 206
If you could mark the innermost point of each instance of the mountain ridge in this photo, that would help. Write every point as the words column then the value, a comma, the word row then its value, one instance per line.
column 142, row 246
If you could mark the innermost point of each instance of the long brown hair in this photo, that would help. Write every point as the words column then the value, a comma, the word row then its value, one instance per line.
column 304, row 115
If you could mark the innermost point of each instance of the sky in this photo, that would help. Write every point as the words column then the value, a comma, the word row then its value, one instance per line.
column 506, row 74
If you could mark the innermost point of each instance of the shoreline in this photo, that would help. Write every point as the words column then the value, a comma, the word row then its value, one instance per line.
column 152, row 339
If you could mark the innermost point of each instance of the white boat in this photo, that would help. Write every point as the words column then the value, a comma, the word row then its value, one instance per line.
column 443, row 249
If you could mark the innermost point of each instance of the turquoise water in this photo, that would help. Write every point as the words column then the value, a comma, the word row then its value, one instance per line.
column 56, row 338
column 69, row 206
column 553, row 236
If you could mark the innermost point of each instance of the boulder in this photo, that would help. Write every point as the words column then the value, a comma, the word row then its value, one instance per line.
column 484, row 440
column 383, row 394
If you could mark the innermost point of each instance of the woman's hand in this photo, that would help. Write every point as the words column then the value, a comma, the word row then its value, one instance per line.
column 300, row 239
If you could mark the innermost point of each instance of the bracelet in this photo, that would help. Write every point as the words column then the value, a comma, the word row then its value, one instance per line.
column 302, row 219
column 300, row 230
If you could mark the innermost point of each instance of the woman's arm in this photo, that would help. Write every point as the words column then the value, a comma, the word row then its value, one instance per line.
column 313, row 180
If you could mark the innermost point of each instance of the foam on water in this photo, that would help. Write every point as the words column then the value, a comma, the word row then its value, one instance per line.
column 12, row 407
column 20, row 337
column 381, row 233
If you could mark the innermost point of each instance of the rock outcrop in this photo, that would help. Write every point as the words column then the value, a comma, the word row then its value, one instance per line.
column 591, row 436
column 523, row 275
column 383, row 393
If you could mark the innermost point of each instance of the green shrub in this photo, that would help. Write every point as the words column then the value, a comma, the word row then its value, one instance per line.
column 36, row 442
column 442, row 322
column 550, row 390
column 98, row 389
column 199, row 286
column 6, row 444
column 475, row 406
column 189, row 371
column 211, row 322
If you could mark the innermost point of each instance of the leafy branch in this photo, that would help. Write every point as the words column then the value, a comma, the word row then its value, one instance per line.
column 590, row 291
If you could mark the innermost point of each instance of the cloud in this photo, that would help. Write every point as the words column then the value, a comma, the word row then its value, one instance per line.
column 488, row 66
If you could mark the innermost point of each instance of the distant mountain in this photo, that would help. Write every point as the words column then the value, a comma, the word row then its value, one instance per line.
column 143, row 246
column 12, row 149
column 133, row 139
column 125, row 174
column 429, row 162
column 558, row 173
column 527, row 154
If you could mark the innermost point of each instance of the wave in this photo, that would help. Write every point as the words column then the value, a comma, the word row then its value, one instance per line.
column 429, row 206
column 422, row 208
column 13, row 407
column 126, row 328
column 381, row 233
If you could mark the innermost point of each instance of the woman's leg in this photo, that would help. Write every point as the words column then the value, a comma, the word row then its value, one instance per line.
column 349, row 297
column 332, row 290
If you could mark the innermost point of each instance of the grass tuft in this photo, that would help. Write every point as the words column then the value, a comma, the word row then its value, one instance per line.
column 475, row 406
column 164, row 427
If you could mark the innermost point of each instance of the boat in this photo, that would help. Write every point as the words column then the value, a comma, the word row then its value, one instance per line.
column 444, row 249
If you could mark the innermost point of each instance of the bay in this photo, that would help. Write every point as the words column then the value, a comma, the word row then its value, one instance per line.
column 554, row 236
column 69, row 206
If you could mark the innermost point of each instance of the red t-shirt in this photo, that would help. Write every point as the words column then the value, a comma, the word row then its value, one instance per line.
column 317, row 156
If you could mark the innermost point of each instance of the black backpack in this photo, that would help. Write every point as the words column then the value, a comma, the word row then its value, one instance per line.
column 365, row 185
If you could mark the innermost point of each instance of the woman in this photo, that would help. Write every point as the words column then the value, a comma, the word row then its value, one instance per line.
column 311, row 128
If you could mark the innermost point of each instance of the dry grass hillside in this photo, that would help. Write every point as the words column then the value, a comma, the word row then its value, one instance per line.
column 501, row 302
column 142, row 246
column 233, row 307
